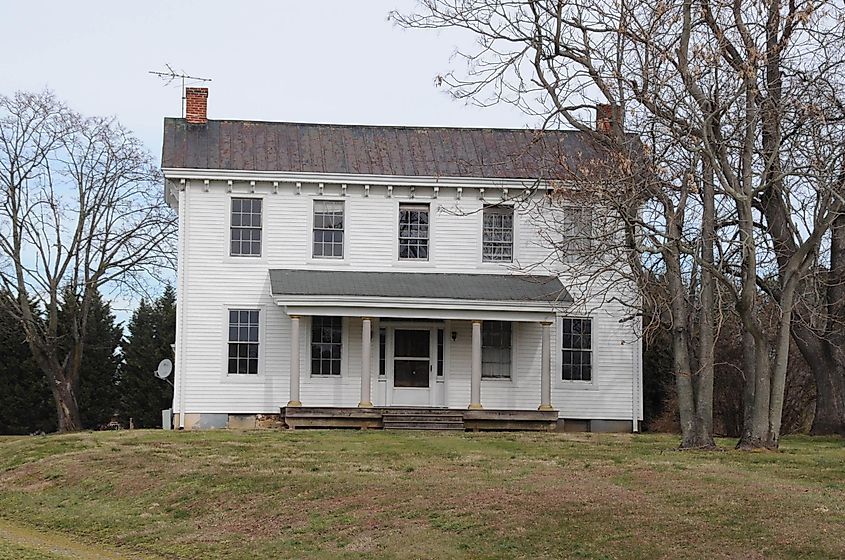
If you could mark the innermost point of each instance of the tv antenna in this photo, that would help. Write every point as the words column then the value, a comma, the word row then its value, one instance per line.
column 172, row 75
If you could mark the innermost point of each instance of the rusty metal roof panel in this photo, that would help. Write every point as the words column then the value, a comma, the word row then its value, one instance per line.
column 375, row 150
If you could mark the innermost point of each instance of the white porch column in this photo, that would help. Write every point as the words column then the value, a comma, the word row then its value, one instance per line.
column 475, row 381
column 366, row 372
column 546, row 368
column 294, row 361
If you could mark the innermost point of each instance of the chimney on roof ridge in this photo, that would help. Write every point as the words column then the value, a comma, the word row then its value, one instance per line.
column 605, row 116
column 196, row 105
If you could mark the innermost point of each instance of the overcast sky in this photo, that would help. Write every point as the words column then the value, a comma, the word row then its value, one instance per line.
column 337, row 61
column 330, row 61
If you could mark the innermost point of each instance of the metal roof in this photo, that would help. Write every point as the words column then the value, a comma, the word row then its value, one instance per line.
column 483, row 287
column 237, row 145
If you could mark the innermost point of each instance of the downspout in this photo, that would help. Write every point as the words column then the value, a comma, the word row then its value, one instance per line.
column 636, row 384
column 181, row 301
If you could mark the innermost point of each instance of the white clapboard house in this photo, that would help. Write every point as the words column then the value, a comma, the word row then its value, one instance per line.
column 376, row 276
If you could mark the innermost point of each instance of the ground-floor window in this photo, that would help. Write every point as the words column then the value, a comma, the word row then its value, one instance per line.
column 243, row 342
column 577, row 347
column 326, row 345
column 496, row 350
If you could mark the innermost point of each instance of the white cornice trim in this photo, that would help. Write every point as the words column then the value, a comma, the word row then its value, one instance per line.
column 353, row 179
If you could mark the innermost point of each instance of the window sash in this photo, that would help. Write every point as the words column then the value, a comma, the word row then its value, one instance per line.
column 497, row 234
column 496, row 351
column 326, row 345
column 576, row 232
column 328, row 229
column 576, row 349
column 243, row 345
column 382, row 351
column 245, row 227
column 440, row 351
column 414, row 228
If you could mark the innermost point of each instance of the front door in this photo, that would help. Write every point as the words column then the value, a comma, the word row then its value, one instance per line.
column 411, row 367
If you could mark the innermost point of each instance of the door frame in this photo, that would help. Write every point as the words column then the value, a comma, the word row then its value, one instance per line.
column 435, row 394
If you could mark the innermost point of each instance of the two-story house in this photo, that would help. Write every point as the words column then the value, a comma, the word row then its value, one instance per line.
column 334, row 275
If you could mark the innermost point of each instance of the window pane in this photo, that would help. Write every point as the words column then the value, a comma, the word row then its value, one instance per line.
column 326, row 345
column 496, row 349
column 243, row 337
column 497, row 234
column 328, row 229
column 576, row 355
column 413, row 231
column 245, row 226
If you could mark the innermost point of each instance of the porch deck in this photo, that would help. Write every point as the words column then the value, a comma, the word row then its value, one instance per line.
column 374, row 418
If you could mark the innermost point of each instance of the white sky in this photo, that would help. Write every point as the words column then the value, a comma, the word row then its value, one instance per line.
column 336, row 61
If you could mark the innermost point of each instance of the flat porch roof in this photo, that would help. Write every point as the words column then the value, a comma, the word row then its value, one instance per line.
column 417, row 295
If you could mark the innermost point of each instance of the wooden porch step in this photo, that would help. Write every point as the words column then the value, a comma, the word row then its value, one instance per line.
column 423, row 419
column 424, row 426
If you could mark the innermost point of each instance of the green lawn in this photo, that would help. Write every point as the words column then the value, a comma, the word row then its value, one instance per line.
column 347, row 494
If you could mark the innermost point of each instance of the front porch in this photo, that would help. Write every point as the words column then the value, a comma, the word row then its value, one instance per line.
column 296, row 417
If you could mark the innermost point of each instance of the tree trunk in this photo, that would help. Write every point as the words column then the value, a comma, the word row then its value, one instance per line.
column 67, row 409
column 749, row 371
column 830, row 397
column 704, row 379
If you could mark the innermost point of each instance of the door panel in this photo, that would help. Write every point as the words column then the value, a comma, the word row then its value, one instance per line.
column 410, row 373
column 411, row 343
column 411, row 366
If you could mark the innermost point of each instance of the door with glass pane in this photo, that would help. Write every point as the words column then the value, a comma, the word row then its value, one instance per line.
column 411, row 367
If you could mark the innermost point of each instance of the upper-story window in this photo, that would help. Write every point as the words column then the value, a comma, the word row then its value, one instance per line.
column 243, row 342
column 245, row 237
column 577, row 359
column 576, row 232
column 496, row 350
column 328, row 229
column 497, row 234
column 413, row 232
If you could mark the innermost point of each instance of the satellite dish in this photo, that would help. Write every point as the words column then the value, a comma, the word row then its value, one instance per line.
column 164, row 368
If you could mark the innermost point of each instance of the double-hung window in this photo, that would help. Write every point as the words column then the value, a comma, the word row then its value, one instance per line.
column 577, row 358
column 413, row 232
column 328, row 229
column 243, row 342
column 326, row 345
column 245, row 234
column 576, row 233
column 496, row 350
column 497, row 234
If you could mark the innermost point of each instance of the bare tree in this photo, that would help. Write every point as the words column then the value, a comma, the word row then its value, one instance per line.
column 82, row 212
column 730, row 100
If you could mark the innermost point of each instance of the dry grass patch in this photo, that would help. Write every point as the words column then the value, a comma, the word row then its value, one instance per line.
column 343, row 494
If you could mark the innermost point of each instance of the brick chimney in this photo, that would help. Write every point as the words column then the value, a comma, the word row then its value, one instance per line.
column 604, row 117
column 196, row 105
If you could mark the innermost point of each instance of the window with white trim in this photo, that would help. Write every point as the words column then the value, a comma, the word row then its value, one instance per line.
column 245, row 227
column 496, row 350
column 328, row 229
column 413, row 231
column 576, row 232
column 326, row 345
column 243, row 342
column 577, row 349
column 497, row 234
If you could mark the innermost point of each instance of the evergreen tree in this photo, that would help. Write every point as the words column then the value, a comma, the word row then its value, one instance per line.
column 152, row 331
column 26, row 404
column 97, row 393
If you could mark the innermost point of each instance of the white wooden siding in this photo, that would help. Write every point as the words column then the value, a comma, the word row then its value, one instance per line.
column 211, row 281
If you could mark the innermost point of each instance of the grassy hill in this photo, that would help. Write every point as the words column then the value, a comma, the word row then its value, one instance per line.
column 344, row 494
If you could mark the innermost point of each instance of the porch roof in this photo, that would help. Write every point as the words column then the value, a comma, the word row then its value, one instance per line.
column 418, row 294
